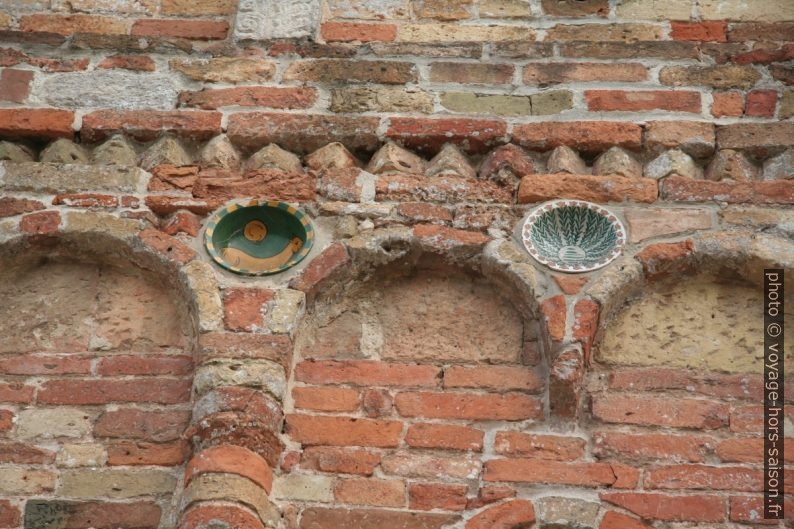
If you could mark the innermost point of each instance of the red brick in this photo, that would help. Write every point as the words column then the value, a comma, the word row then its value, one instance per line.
column 250, row 96
column 230, row 459
column 40, row 223
column 36, row 123
column 23, row 454
column 498, row 378
column 585, row 324
column 708, row 31
column 339, row 460
column 132, row 423
column 326, row 399
column 143, row 453
column 614, row 188
column 367, row 373
column 554, row 313
column 247, row 402
column 302, row 133
column 16, row 392
column 15, row 85
column 749, row 450
column 366, row 491
column 490, row 494
column 586, row 136
column 711, row 384
column 169, row 247
column 206, row 515
column 446, row 238
column 145, row 365
column 747, row 419
column 694, row 508
column 353, row 31
column 746, row 509
column 140, row 63
column 10, row 515
column 761, row 103
column 642, row 447
column 271, row 184
column 325, row 518
column 727, row 104
column 554, row 472
column 663, row 258
column 637, row 101
column 429, row 496
column 429, row 135
column 684, row 189
column 660, row 411
column 186, row 29
column 70, row 24
column 12, row 206
column 275, row 347
column 88, row 392
column 539, row 446
column 343, row 431
column 757, row 138
column 182, row 222
column 330, row 263
column 422, row 212
column 704, row 477
column 616, row 520
column 515, row 513
column 762, row 54
column 471, row 73
column 44, row 365
column 444, row 436
column 565, row 72
column 469, row 406
column 86, row 200
column 425, row 466
column 243, row 308
column 377, row 403
column 146, row 125
column 6, row 420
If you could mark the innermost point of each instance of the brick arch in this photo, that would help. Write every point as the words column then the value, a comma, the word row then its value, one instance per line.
column 131, row 405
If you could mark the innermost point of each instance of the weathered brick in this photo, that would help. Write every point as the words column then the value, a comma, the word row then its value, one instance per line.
column 207, row 514
column 730, row 76
column 630, row 50
column 471, row 73
column 139, row 514
column 688, row 190
column 562, row 72
column 326, row 518
column 331, row 70
column 142, row 453
column 553, row 472
column 368, row 491
column 249, row 96
column 693, row 137
column 616, row 520
column 40, row 223
column 302, row 133
column 451, row 32
column 343, row 431
column 641, row 447
column 368, row 373
column 326, row 399
column 226, row 69
column 70, row 24
column 576, row 8
column 695, row 508
column 619, row 100
column 507, row 407
column 146, row 125
column 442, row 188
column 758, row 138
column 36, row 123
column 15, row 85
column 185, row 29
column 746, row 509
column 586, row 136
column 539, row 446
column 749, row 450
column 761, row 103
column 659, row 411
column 711, row 31
column 140, row 63
column 444, row 436
column 425, row 466
column 498, row 378
column 354, row 31
column 87, row 392
column 538, row 188
column 514, row 513
column 231, row 459
column 133, row 423
column 624, row 32
column 201, row 8
column 429, row 496
column 429, row 135
column 340, row 460
column 380, row 99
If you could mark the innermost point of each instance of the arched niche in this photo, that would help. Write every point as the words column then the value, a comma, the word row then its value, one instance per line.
column 703, row 311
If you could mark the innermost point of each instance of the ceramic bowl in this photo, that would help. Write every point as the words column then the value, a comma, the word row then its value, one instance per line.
column 258, row 237
column 573, row 235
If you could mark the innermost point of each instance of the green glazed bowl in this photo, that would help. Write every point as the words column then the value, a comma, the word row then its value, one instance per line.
column 573, row 235
column 258, row 237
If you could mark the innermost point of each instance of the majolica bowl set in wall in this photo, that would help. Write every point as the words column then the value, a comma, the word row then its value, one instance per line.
column 268, row 237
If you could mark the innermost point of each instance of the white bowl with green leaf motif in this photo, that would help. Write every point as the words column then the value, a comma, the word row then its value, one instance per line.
column 573, row 235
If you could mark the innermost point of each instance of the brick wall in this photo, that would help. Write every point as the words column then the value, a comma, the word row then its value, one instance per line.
column 418, row 370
